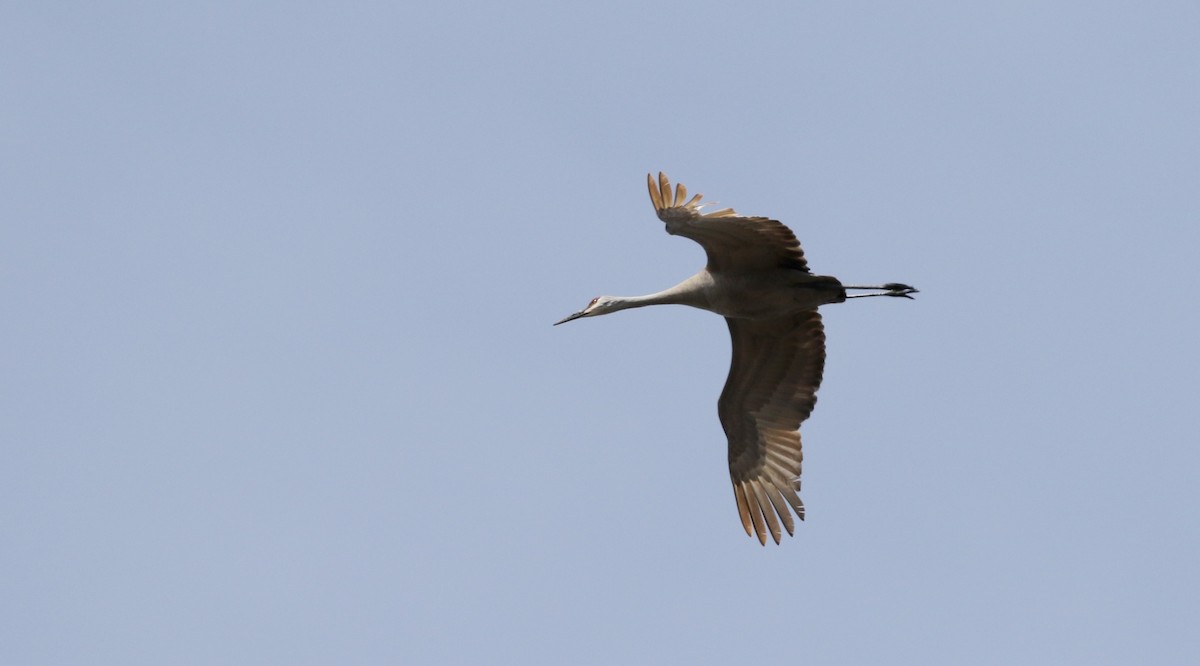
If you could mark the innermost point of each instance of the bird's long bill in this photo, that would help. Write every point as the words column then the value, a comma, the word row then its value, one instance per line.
column 577, row 315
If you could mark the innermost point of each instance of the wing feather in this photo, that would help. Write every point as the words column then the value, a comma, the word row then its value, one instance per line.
column 756, row 512
column 655, row 193
column 732, row 242
column 775, row 494
column 764, row 502
column 771, row 389
column 739, row 493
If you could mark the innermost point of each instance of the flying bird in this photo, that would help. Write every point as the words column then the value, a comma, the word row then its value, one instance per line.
column 757, row 278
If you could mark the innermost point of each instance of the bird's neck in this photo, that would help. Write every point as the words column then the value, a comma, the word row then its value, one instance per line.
column 689, row 292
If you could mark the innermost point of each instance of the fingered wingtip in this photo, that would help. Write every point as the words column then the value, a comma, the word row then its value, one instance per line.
column 660, row 191
column 666, row 199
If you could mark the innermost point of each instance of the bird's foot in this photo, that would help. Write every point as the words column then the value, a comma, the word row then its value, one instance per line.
column 899, row 290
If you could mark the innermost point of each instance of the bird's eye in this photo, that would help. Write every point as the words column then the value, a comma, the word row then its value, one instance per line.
column 593, row 301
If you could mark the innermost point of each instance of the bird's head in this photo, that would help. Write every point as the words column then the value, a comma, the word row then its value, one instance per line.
column 598, row 306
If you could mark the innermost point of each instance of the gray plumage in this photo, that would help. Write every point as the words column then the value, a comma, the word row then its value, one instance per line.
column 757, row 278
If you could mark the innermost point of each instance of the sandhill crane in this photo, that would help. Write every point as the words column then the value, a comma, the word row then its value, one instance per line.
column 758, row 280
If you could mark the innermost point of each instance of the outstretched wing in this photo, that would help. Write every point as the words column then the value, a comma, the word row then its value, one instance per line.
column 732, row 242
column 771, row 389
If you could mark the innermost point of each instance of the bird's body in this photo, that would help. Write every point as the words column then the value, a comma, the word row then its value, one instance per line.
column 757, row 278
column 756, row 295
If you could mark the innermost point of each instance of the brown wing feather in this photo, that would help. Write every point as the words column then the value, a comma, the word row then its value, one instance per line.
column 772, row 386
column 732, row 242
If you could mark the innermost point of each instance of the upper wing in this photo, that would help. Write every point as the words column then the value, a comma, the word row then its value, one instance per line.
column 771, row 389
column 733, row 242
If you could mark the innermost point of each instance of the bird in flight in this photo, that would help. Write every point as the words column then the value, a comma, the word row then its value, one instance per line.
column 757, row 278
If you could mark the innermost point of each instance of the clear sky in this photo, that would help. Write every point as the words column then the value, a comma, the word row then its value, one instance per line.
column 279, row 383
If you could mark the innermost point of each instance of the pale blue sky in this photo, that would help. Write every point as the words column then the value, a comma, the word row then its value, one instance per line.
column 279, row 384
